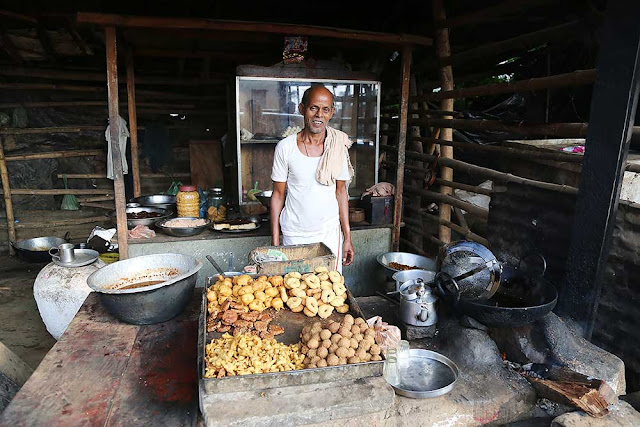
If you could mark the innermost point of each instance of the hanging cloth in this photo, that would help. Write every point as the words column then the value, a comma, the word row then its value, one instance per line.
column 336, row 151
column 123, row 134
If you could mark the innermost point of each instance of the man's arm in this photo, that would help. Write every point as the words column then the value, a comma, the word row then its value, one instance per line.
column 342, row 195
column 277, row 203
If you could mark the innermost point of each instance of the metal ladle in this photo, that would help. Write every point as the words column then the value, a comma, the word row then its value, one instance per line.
column 215, row 264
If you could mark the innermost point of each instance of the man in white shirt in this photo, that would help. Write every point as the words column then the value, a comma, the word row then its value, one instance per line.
column 311, row 212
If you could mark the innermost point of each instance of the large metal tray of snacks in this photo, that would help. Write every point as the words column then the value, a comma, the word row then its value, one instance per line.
column 292, row 324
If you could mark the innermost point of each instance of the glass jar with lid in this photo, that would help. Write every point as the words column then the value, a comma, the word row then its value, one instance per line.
column 188, row 201
column 216, row 205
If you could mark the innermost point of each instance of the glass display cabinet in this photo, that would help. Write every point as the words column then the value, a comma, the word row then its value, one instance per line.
column 267, row 111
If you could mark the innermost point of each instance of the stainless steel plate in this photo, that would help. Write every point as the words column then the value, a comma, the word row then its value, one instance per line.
column 426, row 374
column 181, row 231
column 82, row 257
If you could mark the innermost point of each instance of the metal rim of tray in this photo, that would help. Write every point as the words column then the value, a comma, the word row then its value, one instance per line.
column 428, row 354
column 236, row 231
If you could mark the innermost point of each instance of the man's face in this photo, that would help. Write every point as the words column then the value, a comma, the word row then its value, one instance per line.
column 318, row 112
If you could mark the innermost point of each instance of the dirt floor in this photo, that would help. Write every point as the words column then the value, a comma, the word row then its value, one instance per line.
column 21, row 328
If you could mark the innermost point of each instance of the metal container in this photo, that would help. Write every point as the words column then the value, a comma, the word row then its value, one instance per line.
column 157, row 201
column 404, row 276
column 181, row 231
column 265, row 198
column 149, row 222
column 37, row 249
column 417, row 304
column 150, row 304
column 425, row 374
column 412, row 260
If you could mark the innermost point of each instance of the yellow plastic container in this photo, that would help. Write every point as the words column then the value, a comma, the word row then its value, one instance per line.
column 188, row 201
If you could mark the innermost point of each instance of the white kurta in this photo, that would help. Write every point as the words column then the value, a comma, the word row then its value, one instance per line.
column 310, row 212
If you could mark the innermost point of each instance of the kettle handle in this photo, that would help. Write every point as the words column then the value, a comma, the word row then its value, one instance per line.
column 424, row 314
column 444, row 291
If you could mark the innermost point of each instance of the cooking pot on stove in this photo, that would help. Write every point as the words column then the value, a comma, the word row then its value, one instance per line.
column 417, row 303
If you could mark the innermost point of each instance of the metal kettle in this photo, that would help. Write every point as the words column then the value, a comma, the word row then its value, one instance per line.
column 417, row 303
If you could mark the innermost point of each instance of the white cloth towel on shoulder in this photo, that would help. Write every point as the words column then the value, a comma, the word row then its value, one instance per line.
column 336, row 149
column 123, row 134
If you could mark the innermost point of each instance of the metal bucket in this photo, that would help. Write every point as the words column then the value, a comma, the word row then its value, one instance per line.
column 150, row 304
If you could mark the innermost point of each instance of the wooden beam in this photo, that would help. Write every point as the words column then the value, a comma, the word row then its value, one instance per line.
column 18, row 17
column 443, row 50
column 173, row 23
column 77, row 38
column 466, row 233
column 59, row 191
column 142, row 175
column 63, row 104
column 402, row 143
column 8, row 204
column 63, row 222
column 575, row 78
column 133, row 124
column 118, row 182
column 54, row 155
column 561, row 130
column 519, row 43
column 490, row 13
column 450, row 200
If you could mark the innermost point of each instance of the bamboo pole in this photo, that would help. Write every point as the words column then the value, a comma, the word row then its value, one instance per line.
column 443, row 50
column 95, row 199
column 118, row 182
column 133, row 124
column 450, row 200
column 54, row 155
column 575, row 78
column 402, row 143
column 471, row 188
column 142, row 175
column 57, row 191
column 28, row 131
column 466, row 233
column 562, row 130
column 8, row 204
column 422, row 234
column 63, row 222
column 62, row 104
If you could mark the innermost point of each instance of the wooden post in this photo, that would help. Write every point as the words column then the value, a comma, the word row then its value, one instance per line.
column 118, row 182
column 443, row 50
column 402, row 145
column 7, row 200
column 133, row 124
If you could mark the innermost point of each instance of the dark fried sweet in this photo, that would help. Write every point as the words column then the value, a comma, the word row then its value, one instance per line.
column 229, row 317
column 261, row 325
column 265, row 315
column 242, row 324
column 225, row 305
column 276, row 329
column 266, row 335
column 250, row 316
column 223, row 328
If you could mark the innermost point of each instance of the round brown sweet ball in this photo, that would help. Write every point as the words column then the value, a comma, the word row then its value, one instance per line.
column 365, row 345
column 364, row 328
column 333, row 327
column 355, row 329
column 314, row 360
column 344, row 342
column 352, row 352
column 370, row 333
column 306, row 329
column 343, row 361
column 359, row 321
column 316, row 325
column 311, row 366
column 367, row 357
column 326, row 343
column 358, row 337
column 313, row 343
column 316, row 336
column 335, row 338
column 348, row 319
column 375, row 349
column 322, row 363
column 376, row 358
column 353, row 343
column 306, row 337
column 333, row 360
column 361, row 353
column 342, row 352
column 353, row 359
column 322, row 352
column 325, row 334
column 312, row 352
column 345, row 332
column 304, row 349
column 333, row 348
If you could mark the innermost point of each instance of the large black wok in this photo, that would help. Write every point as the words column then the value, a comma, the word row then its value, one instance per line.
column 522, row 298
column 37, row 250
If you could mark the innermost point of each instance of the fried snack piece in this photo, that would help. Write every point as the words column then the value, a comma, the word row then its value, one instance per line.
column 343, row 309
column 298, row 308
column 325, row 311
column 294, row 302
column 312, row 305
column 276, row 281
column 335, row 277
column 312, row 281
column 328, row 295
column 339, row 289
column 292, row 283
column 321, row 269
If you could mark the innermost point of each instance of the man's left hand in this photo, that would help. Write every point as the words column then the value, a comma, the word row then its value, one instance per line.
column 347, row 252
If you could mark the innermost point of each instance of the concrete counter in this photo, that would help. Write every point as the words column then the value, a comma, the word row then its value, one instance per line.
column 231, row 252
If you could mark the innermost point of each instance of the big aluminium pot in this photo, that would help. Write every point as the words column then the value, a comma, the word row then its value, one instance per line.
column 522, row 298
column 150, row 304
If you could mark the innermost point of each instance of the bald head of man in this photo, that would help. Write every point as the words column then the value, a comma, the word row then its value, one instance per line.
column 317, row 108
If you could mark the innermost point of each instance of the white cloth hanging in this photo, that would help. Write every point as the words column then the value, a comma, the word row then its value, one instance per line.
column 123, row 134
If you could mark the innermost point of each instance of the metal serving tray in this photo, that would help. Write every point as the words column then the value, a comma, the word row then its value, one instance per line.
column 293, row 324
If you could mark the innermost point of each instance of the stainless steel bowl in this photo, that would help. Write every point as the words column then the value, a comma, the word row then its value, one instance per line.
column 149, row 222
column 157, row 201
column 265, row 198
column 149, row 304
column 181, row 231
column 413, row 260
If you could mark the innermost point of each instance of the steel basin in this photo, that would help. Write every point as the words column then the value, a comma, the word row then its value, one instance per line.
column 149, row 222
column 162, row 201
column 150, row 304
column 181, row 231
column 422, row 262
